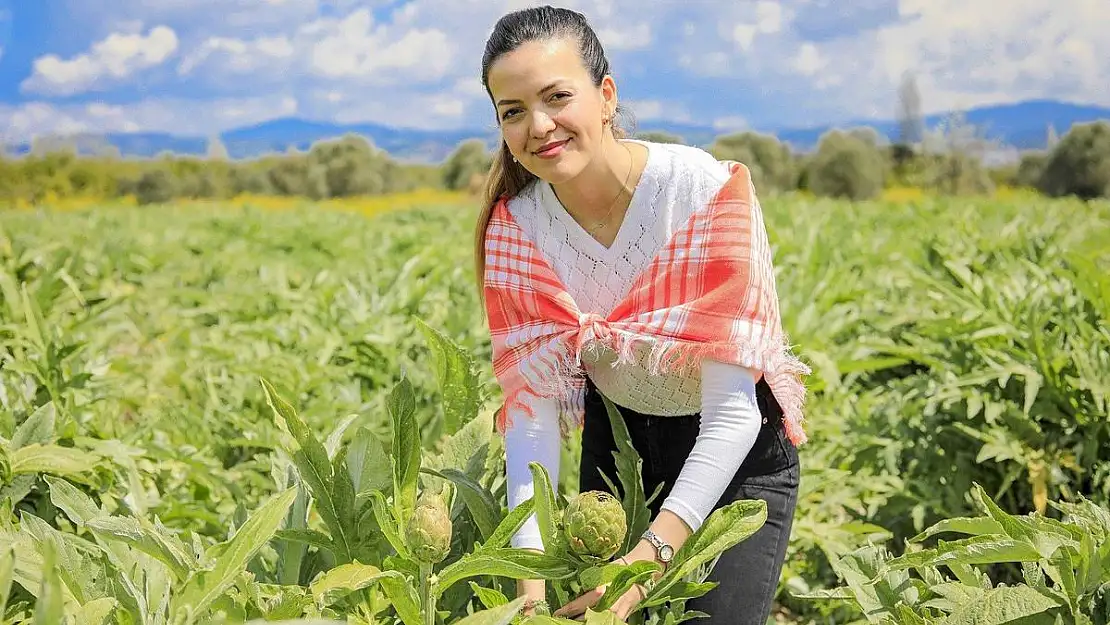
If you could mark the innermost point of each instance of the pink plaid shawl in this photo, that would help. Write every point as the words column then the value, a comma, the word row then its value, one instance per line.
column 710, row 292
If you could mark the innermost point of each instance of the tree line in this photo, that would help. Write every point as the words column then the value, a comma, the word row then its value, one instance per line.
column 849, row 163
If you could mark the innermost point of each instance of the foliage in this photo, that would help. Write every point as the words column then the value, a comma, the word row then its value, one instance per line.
column 147, row 471
column 847, row 165
column 1079, row 165
column 1064, row 571
column 771, row 162
column 467, row 166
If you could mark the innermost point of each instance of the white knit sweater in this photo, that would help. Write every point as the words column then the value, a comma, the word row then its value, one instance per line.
column 675, row 180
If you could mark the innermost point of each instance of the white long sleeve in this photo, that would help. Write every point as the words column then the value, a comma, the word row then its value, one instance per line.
column 730, row 423
column 676, row 179
column 531, row 439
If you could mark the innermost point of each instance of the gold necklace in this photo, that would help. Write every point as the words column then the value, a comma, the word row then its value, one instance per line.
column 613, row 205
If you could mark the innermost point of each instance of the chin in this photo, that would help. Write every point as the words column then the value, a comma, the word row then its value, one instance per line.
column 558, row 170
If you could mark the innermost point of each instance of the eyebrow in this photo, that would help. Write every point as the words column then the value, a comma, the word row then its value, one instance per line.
column 547, row 88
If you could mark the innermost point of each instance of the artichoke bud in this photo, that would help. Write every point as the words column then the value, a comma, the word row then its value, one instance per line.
column 429, row 530
column 595, row 525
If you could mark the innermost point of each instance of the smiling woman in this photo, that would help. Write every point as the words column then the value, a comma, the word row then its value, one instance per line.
column 605, row 266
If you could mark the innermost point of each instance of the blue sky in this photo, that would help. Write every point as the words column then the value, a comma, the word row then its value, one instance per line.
column 201, row 66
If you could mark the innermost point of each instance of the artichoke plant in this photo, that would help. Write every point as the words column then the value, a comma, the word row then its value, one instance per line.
column 595, row 525
column 429, row 531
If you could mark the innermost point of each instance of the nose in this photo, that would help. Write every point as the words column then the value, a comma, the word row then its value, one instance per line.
column 542, row 124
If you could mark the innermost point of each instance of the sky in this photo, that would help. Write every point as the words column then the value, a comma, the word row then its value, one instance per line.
column 197, row 67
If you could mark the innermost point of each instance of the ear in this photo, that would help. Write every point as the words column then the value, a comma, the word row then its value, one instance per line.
column 609, row 94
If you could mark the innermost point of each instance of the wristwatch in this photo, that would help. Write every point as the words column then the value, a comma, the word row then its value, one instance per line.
column 664, row 551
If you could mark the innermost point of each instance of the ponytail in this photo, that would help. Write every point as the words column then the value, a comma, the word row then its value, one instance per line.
column 505, row 179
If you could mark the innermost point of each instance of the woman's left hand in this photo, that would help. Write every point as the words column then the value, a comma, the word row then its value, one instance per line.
column 622, row 607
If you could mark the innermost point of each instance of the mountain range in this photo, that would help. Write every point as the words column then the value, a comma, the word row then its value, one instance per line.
column 1021, row 126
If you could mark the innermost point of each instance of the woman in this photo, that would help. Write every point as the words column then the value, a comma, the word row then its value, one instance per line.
column 606, row 264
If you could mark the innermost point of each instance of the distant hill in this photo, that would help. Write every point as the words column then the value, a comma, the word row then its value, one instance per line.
column 1022, row 125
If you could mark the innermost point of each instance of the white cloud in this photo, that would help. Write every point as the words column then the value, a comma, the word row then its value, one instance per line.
column 730, row 123
column 238, row 56
column 356, row 47
column 110, row 60
column 326, row 49
column 625, row 37
column 175, row 116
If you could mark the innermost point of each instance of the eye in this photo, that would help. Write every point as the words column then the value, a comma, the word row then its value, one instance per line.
column 508, row 113
column 562, row 95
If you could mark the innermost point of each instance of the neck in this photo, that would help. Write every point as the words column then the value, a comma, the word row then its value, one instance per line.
column 591, row 194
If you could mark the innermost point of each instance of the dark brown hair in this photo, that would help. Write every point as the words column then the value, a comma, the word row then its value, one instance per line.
column 506, row 177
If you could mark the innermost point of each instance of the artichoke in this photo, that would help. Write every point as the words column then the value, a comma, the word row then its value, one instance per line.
column 595, row 525
column 429, row 531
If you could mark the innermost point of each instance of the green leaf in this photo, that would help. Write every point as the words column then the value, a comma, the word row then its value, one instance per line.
column 962, row 525
column 457, row 374
column 489, row 597
column 1001, row 605
column 50, row 602
column 511, row 563
column 501, row 615
column 630, row 575
column 315, row 467
column 629, row 464
column 52, row 459
column 343, row 580
column 140, row 534
column 368, row 463
column 37, row 429
column 406, row 450
column 725, row 528
column 204, row 587
column 547, row 509
column 477, row 498
column 97, row 612
column 510, row 525
column 986, row 549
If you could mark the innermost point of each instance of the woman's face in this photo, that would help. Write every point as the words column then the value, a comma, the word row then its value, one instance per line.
column 549, row 109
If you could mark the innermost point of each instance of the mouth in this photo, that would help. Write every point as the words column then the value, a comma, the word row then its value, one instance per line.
column 551, row 149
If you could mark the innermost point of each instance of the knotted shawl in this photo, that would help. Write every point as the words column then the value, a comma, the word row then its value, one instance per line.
column 709, row 292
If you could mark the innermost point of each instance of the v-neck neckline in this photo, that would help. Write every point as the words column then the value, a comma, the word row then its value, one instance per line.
column 631, row 214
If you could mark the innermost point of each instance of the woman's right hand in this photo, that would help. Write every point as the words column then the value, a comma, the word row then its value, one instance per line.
column 535, row 590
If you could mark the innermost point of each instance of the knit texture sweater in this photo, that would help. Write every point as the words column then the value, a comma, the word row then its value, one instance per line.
column 675, row 180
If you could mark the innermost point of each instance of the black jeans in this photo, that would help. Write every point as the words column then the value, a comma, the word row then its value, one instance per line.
column 749, row 572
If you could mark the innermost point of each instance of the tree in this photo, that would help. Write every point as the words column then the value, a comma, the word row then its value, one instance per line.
column 470, row 159
column 772, row 164
column 1080, row 163
column 846, row 165
column 911, row 126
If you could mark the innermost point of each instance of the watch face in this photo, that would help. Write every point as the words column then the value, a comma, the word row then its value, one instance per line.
column 666, row 553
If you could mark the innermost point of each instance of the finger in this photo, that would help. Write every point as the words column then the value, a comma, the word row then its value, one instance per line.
column 579, row 605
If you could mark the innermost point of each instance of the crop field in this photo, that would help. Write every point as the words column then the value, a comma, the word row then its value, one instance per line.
column 235, row 412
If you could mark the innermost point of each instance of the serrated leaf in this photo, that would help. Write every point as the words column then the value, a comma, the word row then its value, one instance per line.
column 53, row 459
column 510, row 525
column 406, row 450
column 1001, row 605
column 144, row 537
column 204, row 587
column 725, row 528
column 37, row 429
column 629, row 464
column 457, row 374
column 547, row 509
column 343, row 580
column 489, row 597
column 511, row 563
column 501, row 615
column 315, row 467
